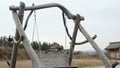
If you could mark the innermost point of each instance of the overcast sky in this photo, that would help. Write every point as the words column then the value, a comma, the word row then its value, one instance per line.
column 102, row 17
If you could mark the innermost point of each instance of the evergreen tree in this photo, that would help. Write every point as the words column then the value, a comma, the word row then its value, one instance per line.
column 36, row 45
column 45, row 46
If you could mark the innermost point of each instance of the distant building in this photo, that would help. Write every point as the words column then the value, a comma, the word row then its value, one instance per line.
column 114, row 50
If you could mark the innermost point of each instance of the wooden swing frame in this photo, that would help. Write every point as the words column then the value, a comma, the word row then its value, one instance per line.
column 18, row 18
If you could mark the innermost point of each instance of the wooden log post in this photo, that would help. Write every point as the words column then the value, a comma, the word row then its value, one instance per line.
column 33, row 56
column 94, row 45
column 17, row 36
column 72, row 45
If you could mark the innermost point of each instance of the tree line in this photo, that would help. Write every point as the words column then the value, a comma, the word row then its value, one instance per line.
column 8, row 41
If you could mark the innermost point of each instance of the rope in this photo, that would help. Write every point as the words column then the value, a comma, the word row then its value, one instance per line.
column 64, row 21
column 65, row 40
column 36, row 27
column 26, row 23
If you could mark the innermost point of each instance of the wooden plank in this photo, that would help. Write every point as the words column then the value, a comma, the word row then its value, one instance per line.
column 54, row 59
column 95, row 46
column 33, row 56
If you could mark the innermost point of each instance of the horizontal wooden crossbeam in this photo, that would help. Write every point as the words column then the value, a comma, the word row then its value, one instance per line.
column 68, row 13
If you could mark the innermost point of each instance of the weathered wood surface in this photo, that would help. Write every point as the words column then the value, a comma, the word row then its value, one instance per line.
column 31, row 52
column 37, row 7
column 72, row 45
column 54, row 59
column 85, row 41
column 33, row 56
column 17, row 37
column 94, row 45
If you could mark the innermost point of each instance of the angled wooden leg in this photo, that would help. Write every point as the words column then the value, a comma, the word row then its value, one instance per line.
column 33, row 56
column 95, row 46
column 17, row 36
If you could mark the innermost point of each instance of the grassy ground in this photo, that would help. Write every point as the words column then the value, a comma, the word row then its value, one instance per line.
column 81, row 63
column 20, row 64
column 87, row 62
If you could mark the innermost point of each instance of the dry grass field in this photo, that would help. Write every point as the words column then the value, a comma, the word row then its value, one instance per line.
column 81, row 63
column 87, row 62
column 20, row 64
